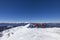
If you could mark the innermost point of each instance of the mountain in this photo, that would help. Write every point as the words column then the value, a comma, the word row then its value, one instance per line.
column 24, row 33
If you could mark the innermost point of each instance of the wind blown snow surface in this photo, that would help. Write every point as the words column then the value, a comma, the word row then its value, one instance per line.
column 24, row 33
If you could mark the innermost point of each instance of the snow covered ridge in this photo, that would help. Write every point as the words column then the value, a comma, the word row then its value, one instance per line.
column 4, row 26
column 24, row 33
column 13, row 29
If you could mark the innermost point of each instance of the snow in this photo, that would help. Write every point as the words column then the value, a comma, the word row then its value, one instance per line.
column 24, row 33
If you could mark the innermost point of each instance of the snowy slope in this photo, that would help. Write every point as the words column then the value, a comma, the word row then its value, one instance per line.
column 24, row 33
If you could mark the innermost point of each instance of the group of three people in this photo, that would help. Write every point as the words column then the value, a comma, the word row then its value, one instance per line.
column 35, row 25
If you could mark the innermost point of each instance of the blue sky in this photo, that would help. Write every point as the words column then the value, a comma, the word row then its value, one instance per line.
column 29, row 10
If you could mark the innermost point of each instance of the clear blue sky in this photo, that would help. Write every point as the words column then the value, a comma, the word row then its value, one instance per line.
column 29, row 10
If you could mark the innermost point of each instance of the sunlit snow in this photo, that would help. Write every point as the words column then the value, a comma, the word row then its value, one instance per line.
column 24, row 33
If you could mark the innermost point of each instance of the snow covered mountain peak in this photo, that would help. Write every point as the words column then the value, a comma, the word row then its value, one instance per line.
column 24, row 33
